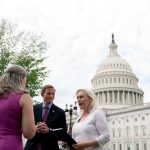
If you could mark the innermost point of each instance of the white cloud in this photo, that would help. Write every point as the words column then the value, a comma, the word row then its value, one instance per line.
column 79, row 33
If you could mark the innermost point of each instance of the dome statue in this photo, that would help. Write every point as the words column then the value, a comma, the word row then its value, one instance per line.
column 114, row 61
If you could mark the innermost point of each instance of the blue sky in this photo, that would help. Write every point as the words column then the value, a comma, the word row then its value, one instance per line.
column 79, row 33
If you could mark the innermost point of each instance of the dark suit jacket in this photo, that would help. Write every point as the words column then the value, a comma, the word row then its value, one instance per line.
column 56, row 119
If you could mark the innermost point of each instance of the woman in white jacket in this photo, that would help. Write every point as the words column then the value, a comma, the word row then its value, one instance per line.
column 91, row 128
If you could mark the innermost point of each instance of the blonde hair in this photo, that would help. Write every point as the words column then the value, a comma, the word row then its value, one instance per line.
column 10, row 80
column 91, row 96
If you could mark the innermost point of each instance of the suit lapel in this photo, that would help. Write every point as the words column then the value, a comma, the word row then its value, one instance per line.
column 40, row 112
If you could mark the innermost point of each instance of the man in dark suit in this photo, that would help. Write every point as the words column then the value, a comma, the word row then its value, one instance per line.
column 47, row 116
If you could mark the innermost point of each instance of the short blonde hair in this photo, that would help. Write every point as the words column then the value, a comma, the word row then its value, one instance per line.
column 91, row 96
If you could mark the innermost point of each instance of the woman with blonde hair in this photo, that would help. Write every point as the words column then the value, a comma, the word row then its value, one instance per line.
column 16, row 109
column 91, row 128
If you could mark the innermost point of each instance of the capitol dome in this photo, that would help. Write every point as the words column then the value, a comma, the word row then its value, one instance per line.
column 114, row 61
column 114, row 84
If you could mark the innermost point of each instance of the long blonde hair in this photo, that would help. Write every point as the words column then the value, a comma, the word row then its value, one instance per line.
column 10, row 80
column 91, row 96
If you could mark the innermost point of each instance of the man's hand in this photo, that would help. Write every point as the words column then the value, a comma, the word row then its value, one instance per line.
column 42, row 127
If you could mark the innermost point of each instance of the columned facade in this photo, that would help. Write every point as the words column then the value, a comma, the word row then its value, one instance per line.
column 118, row 94
column 129, row 128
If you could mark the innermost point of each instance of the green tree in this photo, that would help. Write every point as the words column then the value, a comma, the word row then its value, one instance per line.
column 26, row 49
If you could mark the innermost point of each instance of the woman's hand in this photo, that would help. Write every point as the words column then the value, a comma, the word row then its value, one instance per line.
column 82, row 145
column 79, row 146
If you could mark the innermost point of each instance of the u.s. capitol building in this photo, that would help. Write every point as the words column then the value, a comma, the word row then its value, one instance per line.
column 117, row 92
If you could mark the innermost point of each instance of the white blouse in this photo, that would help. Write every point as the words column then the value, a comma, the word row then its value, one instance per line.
column 94, row 127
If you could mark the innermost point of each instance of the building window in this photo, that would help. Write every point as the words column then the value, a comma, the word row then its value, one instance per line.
column 136, row 130
column 114, row 80
column 119, row 132
column 110, row 80
column 102, row 81
column 145, row 146
column 106, row 81
column 128, row 131
column 143, row 130
column 127, row 81
column 99, row 82
column 137, row 146
column 128, row 147
column 113, row 133
column 114, row 147
column 143, row 118
column 120, row 147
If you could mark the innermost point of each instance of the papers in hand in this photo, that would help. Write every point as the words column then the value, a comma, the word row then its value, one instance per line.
column 56, row 129
column 62, row 135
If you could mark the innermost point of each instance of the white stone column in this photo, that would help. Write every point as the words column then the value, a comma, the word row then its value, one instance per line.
column 108, row 97
column 113, row 97
column 98, row 100
column 133, row 98
column 123, row 97
column 118, row 97
column 137, row 98
column 99, row 95
column 128, row 98
column 103, row 97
